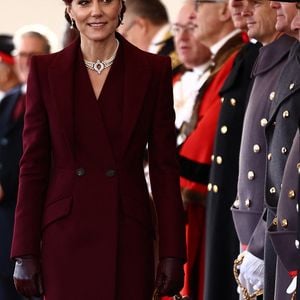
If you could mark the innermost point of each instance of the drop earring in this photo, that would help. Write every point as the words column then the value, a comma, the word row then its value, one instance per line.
column 120, row 20
column 72, row 26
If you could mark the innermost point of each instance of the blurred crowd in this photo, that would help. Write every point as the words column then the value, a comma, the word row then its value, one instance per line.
column 236, row 88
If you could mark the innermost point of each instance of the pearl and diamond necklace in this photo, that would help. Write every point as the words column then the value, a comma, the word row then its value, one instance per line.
column 100, row 65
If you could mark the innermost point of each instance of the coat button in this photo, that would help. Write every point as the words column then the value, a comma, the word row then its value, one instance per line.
column 248, row 203
column 284, row 223
column 110, row 173
column 284, row 150
column 251, row 175
column 297, row 244
column 224, row 129
column 272, row 96
column 80, row 171
column 215, row 188
column 292, row 85
column 275, row 221
column 298, row 167
column 233, row 102
column 269, row 156
column 3, row 141
column 236, row 203
column 219, row 160
column 292, row 194
column 263, row 122
column 285, row 114
column 256, row 148
column 209, row 187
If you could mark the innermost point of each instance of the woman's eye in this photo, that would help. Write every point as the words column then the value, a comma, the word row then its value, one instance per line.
column 83, row 2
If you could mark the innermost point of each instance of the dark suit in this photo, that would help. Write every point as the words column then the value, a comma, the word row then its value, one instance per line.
column 82, row 186
column 10, row 153
column 219, row 225
column 280, row 133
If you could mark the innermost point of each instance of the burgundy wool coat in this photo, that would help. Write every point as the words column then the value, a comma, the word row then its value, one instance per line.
column 83, row 204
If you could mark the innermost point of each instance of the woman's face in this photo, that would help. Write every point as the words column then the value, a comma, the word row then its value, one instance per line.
column 96, row 20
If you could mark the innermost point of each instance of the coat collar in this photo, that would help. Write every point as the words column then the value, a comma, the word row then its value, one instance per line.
column 136, row 80
column 289, row 82
column 7, row 107
column 271, row 54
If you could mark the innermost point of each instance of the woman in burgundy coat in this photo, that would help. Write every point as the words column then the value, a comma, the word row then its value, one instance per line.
column 83, row 224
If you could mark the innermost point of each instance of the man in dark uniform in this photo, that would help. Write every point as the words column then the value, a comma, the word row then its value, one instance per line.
column 219, row 224
column 281, row 176
column 249, row 206
column 11, row 126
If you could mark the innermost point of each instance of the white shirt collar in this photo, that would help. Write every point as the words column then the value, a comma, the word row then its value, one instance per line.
column 217, row 46
column 159, row 37
column 2, row 94
column 202, row 68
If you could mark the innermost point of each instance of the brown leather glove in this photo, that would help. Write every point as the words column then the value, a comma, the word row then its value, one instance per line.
column 27, row 276
column 1, row 193
column 169, row 278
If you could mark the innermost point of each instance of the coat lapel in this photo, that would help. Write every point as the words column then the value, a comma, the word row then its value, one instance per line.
column 61, row 81
column 289, row 81
column 136, row 80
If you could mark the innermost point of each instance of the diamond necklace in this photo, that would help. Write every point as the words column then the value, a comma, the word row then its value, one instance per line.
column 100, row 65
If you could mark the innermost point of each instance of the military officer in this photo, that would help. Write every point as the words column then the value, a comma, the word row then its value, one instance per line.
column 282, row 188
column 222, row 188
column 249, row 205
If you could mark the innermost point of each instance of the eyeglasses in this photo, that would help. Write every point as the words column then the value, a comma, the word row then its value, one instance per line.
column 178, row 28
column 198, row 2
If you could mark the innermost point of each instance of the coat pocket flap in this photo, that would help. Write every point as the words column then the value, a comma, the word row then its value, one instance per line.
column 284, row 244
column 57, row 210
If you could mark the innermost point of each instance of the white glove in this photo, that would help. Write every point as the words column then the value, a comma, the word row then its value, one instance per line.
column 245, row 284
column 252, row 272
column 292, row 287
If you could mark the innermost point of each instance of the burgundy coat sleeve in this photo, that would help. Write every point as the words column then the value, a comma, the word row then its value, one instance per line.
column 33, row 172
column 164, row 171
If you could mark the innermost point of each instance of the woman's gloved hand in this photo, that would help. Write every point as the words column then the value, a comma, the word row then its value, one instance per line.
column 27, row 276
column 169, row 278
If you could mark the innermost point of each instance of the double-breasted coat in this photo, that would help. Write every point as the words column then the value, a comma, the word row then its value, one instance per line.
column 248, row 208
column 280, row 133
column 283, row 231
column 220, row 227
column 10, row 152
column 83, row 203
